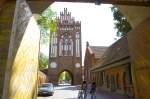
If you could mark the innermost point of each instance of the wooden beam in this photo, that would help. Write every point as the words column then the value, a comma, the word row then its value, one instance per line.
column 1, row 3
column 127, row 2
column 116, row 2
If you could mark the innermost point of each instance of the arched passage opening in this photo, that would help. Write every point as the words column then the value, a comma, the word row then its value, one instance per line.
column 65, row 78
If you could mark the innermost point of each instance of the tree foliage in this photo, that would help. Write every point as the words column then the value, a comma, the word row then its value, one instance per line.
column 121, row 23
column 43, row 61
column 47, row 23
column 65, row 76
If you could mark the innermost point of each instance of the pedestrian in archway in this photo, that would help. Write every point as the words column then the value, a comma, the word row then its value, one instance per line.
column 93, row 90
column 84, row 89
column 83, row 92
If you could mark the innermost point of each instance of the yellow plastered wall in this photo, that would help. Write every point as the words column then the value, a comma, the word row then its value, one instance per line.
column 22, row 63
column 23, row 81
column 139, row 47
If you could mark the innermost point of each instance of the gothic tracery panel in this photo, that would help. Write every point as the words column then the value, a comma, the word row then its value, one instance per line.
column 77, row 44
column 53, row 45
column 66, row 41
column 66, row 45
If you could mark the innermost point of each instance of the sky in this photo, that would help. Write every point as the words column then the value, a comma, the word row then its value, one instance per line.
column 97, row 24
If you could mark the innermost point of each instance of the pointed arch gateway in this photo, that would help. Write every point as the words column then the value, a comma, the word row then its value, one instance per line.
column 65, row 77
column 65, row 49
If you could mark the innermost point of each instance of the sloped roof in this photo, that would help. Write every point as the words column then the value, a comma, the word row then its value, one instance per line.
column 98, row 50
column 41, row 74
column 116, row 51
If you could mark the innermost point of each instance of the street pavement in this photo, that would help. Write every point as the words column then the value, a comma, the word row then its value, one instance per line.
column 63, row 92
column 71, row 92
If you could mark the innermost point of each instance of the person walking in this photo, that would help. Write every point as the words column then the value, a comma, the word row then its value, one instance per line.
column 93, row 90
column 83, row 91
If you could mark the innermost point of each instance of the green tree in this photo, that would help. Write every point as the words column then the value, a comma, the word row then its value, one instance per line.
column 64, row 76
column 43, row 61
column 121, row 23
column 67, row 76
column 47, row 24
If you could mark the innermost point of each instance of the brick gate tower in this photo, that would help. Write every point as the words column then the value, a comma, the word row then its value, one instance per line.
column 65, row 49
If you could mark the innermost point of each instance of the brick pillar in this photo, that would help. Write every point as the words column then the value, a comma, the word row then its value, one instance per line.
column 6, row 19
column 139, row 43
column 22, row 64
column 139, row 47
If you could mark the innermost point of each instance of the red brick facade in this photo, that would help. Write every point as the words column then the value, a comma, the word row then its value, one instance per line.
column 92, row 56
column 113, row 71
column 65, row 49
column 42, row 78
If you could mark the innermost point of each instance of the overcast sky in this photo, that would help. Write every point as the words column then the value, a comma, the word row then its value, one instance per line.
column 97, row 25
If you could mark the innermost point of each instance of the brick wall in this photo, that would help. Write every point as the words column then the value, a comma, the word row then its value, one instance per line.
column 87, row 65
column 115, row 79
column 66, row 63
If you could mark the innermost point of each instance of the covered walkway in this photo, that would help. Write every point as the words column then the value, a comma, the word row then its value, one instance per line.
column 108, row 95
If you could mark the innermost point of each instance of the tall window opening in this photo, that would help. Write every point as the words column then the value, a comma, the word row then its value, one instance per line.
column 77, row 44
column 53, row 45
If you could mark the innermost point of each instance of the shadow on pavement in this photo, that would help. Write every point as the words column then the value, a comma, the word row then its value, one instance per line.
column 67, row 87
column 44, row 95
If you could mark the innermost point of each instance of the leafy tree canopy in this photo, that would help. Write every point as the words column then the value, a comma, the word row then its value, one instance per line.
column 47, row 23
column 121, row 23
column 65, row 76
column 43, row 61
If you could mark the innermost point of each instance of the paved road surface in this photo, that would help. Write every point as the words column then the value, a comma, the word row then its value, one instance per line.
column 71, row 92
column 63, row 92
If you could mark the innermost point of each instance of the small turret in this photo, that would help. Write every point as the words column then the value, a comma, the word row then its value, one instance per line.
column 87, row 44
